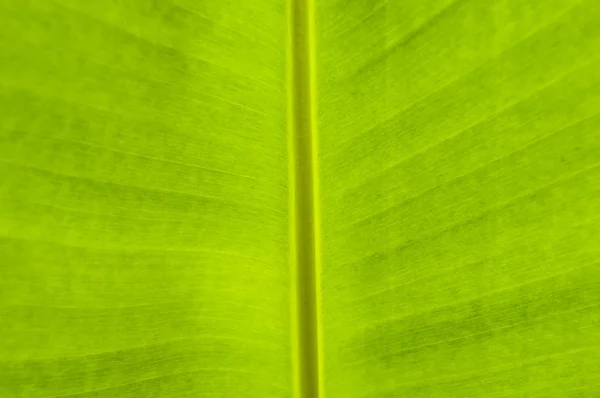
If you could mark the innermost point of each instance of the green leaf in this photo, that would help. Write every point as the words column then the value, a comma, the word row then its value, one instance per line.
column 144, row 201
column 459, row 150
column 275, row 198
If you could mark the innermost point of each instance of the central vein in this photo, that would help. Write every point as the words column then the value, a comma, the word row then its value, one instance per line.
column 305, row 218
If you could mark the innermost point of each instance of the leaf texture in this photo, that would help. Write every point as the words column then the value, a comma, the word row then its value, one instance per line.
column 459, row 150
column 144, row 199
column 149, row 194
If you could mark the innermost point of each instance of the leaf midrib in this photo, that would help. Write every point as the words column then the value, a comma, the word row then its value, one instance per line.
column 305, row 217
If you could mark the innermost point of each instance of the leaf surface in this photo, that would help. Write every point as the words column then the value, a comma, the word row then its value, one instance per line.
column 262, row 199
column 459, row 150
column 144, row 201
